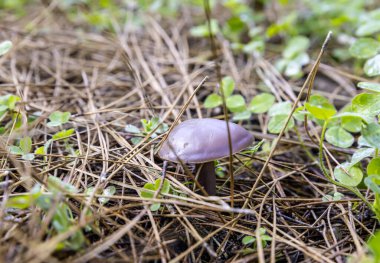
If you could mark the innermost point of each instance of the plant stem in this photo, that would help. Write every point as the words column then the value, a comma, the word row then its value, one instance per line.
column 327, row 174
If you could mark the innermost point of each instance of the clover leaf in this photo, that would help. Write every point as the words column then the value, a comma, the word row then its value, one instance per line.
column 337, row 136
column 349, row 176
column 24, row 148
column 364, row 48
column 149, row 191
column 261, row 103
column 320, row 107
column 58, row 118
column 5, row 46
column 371, row 134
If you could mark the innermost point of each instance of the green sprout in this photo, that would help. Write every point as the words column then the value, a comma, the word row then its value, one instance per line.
column 265, row 238
column 24, row 148
column 150, row 190
column 58, row 118
column 63, row 218
column 148, row 127
column 236, row 104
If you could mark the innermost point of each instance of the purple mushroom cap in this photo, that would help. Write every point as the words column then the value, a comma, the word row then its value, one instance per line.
column 203, row 140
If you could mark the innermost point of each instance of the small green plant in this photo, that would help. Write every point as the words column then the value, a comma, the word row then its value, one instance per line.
column 236, row 103
column 63, row 218
column 61, row 135
column 150, row 189
column 8, row 113
column 203, row 30
column 373, row 253
column 362, row 111
column 148, row 126
column 294, row 57
column 265, row 238
column 58, row 118
column 332, row 196
column 367, row 45
column 278, row 114
column 24, row 148
column 106, row 192
column 5, row 46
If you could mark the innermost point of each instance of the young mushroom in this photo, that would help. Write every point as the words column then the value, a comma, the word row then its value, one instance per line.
column 201, row 142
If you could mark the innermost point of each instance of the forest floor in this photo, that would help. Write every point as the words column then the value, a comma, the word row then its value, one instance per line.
column 107, row 81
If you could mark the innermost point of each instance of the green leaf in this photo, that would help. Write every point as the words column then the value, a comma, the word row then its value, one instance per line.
column 361, row 154
column 89, row 192
column 213, row 100
column 19, row 202
column 61, row 218
column 277, row 122
column 236, row 103
column 373, row 245
column 301, row 59
column 165, row 186
column 337, row 196
column 362, row 142
column 372, row 66
column 299, row 113
column 149, row 190
column 150, row 193
column 261, row 103
column 244, row 115
column 55, row 185
column 58, row 118
column 371, row 134
column 372, row 182
column 163, row 128
column 26, row 144
column 366, row 104
column 295, row 46
column 154, row 207
column 337, row 136
column 154, row 122
column 146, row 125
column 351, row 121
column 364, row 48
column 109, row 191
column 228, row 86
column 368, row 28
column 371, row 86
column 280, row 108
column 266, row 238
column 254, row 46
column 5, row 46
column 40, row 150
column 203, row 30
column 352, row 124
column 8, row 102
column 262, row 231
column 320, row 107
column 43, row 149
column 15, row 150
column 293, row 69
column 132, row 129
column 28, row 156
column 248, row 240
column 353, row 178
column 136, row 140
column 63, row 134
column 373, row 167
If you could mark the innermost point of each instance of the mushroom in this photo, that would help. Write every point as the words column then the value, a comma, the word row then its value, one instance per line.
column 200, row 142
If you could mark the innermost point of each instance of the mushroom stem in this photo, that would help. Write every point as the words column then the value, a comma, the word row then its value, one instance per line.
column 207, row 177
